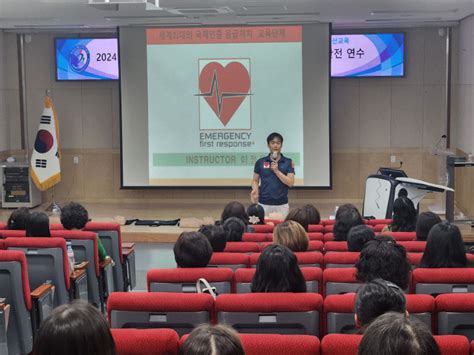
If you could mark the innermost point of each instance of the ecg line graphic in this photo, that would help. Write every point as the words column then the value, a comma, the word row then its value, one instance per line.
column 215, row 92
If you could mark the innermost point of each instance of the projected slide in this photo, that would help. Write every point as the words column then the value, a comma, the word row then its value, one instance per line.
column 365, row 55
column 87, row 59
column 214, row 95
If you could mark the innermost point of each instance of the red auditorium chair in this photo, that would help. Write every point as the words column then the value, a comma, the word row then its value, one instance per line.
column 3, row 225
column 229, row 260
column 437, row 281
column 146, row 341
column 305, row 259
column 348, row 344
column 274, row 344
column 241, row 247
column 274, row 221
column 374, row 222
column 344, row 259
column 415, row 246
column 257, row 237
column 2, row 244
column 280, row 313
column 339, row 311
column 184, row 279
column 379, row 228
column 47, row 260
column 262, row 228
column 336, row 246
column 328, row 228
column 178, row 311
column 315, row 236
column 318, row 228
column 456, row 314
column 401, row 236
column 6, row 233
column 27, row 308
column 312, row 275
column 313, row 245
column 328, row 237
column 339, row 280
column 326, row 222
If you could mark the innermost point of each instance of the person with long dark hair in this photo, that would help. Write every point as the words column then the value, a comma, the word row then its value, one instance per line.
column 424, row 223
column 256, row 214
column 235, row 209
column 314, row 217
column 347, row 216
column 235, row 229
column 278, row 271
column 444, row 248
column 404, row 216
column 38, row 225
column 19, row 218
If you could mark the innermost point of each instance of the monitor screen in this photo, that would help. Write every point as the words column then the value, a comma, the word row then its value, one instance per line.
column 87, row 59
column 367, row 55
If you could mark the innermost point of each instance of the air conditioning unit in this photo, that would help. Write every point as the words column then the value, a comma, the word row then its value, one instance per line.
column 114, row 4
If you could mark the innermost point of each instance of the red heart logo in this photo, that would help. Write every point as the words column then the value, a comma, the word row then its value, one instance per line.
column 224, row 88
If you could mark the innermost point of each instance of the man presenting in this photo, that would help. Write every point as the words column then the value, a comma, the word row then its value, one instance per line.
column 276, row 174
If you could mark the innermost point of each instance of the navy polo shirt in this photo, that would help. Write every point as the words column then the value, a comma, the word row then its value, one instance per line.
column 272, row 191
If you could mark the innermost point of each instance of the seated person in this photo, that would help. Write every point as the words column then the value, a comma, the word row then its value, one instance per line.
column 299, row 215
column 18, row 220
column 383, row 260
column 235, row 229
column 75, row 328
column 38, row 225
column 313, row 214
column 278, row 271
column 75, row 217
column 235, row 209
column 208, row 339
column 376, row 298
column 395, row 334
column 444, row 248
column 347, row 216
column 192, row 249
column 216, row 235
column 256, row 214
column 424, row 223
column 404, row 216
column 358, row 236
column 292, row 235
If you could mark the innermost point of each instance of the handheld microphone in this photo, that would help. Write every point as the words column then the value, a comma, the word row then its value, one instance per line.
column 274, row 155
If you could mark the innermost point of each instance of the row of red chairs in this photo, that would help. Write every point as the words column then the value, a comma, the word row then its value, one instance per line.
column 282, row 313
column 326, row 282
column 167, row 342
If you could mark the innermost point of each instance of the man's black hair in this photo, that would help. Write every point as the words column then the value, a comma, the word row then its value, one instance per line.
column 273, row 136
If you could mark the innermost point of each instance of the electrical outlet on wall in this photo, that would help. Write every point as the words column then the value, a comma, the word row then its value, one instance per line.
column 393, row 159
column 76, row 159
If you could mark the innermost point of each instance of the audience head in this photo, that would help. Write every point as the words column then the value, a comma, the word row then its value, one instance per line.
column 216, row 235
column 299, row 215
column 347, row 216
column 74, row 216
column 208, row 339
column 394, row 334
column 256, row 214
column 235, row 209
column 75, row 329
column 444, row 247
column 235, row 229
column 278, row 271
column 358, row 236
column 383, row 260
column 192, row 249
column 404, row 215
column 38, row 225
column 376, row 298
column 19, row 218
column 292, row 235
column 313, row 214
column 424, row 223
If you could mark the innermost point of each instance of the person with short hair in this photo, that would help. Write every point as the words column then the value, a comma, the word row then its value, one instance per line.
column 299, row 215
column 235, row 229
column 278, row 271
column 383, row 260
column 38, row 225
column 192, row 249
column 75, row 217
column 77, row 328
column 424, row 223
column 358, row 236
column 256, row 214
column 235, row 209
column 272, row 176
column 395, row 334
column 404, row 216
column 347, row 216
column 292, row 235
column 216, row 235
column 444, row 248
column 375, row 298
column 314, row 217
column 208, row 339
column 18, row 219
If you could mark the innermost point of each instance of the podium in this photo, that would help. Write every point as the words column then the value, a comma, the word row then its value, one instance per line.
column 383, row 188
column 17, row 188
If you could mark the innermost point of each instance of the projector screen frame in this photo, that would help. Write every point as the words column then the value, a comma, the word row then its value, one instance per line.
column 223, row 187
